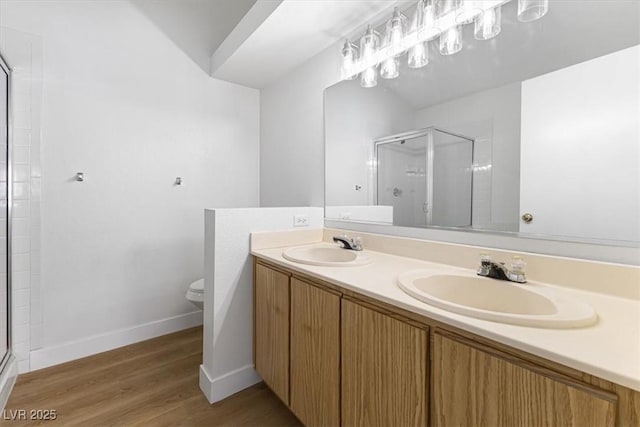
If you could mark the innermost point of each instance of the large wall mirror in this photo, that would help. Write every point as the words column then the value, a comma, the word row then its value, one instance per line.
column 535, row 133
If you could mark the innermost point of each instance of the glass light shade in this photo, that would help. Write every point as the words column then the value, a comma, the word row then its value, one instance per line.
column 369, row 77
column 430, row 15
column 451, row 41
column 369, row 44
column 417, row 21
column 530, row 10
column 390, row 68
column 468, row 10
column 349, row 60
column 395, row 31
column 418, row 55
column 444, row 7
column 488, row 24
column 424, row 19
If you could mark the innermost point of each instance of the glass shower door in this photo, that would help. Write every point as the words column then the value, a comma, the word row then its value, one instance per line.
column 450, row 185
column 401, row 181
column 4, row 216
column 427, row 177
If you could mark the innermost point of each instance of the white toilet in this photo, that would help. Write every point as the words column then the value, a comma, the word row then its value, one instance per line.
column 195, row 294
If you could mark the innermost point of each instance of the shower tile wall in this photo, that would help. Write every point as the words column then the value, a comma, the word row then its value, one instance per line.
column 24, row 54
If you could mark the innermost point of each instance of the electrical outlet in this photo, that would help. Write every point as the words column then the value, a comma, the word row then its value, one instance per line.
column 301, row 220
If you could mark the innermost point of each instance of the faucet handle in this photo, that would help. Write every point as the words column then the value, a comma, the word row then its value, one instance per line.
column 485, row 260
column 518, row 264
column 516, row 274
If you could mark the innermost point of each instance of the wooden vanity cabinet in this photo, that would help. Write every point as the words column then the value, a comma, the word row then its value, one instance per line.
column 315, row 355
column 384, row 369
column 476, row 385
column 338, row 358
column 271, row 329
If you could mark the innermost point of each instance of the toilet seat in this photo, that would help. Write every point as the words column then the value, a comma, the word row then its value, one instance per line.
column 197, row 286
column 195, row 293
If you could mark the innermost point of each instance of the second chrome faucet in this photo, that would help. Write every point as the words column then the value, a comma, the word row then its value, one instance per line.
column 354, row 244
column 499, row 271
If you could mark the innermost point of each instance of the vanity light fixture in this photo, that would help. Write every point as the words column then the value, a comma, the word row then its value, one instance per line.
column 431, row 19
column 530, row 10
column 349, row 60
column 369, row 44
column 424, row 17
column 488, row 23
column 394, row 37
column 451, row 41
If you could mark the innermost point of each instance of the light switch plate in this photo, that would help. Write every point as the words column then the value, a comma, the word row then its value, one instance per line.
column 301, row 220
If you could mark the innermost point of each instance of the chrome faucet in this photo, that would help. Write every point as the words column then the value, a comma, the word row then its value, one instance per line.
column 354, row 244
column 499, row 271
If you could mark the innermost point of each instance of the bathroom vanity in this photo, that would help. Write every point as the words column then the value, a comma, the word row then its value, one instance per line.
column 338, row 352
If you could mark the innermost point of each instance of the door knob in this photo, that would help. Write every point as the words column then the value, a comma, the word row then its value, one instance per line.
column 527, row 217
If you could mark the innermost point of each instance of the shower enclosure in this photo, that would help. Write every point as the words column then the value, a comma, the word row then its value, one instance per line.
column 5, row 217
column 427, row 176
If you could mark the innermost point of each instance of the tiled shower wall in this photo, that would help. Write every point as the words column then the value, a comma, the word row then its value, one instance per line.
column 24, row 54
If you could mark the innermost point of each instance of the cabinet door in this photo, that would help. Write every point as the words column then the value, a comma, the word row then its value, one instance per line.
column 315, row 355
column 478, row 386
column 271, row 329
column 384, row 370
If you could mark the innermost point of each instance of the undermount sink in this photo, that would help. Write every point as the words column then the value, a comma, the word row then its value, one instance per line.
column 327, row 256
column 500, row 301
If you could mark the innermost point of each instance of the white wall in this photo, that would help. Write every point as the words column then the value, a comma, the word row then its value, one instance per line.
column 492, row 117
column 292, row 133
column 124, row 105
column 228, row 334
column 593, row 109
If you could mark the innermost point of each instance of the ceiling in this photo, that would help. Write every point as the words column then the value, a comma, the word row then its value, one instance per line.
column 198, row 27
column 295, row 31
column 253, row 43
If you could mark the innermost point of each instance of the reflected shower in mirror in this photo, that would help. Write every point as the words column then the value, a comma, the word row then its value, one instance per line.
column 425, row 178
column 534, row 133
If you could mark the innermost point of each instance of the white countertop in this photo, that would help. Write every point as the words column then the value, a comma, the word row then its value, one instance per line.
column 609, row 349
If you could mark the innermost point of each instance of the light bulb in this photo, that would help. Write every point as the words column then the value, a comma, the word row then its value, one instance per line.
column 349, row 59
column 423, row 20
column 395, row 31
column 369, row 46
column 488, row 24
column 451, row 41
column 429, row 17
column 369, row 77
column 530, row 10
column 389, row 68
column 418, row 55
column 418, row 20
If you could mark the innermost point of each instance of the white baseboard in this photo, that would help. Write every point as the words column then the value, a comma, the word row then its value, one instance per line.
column 49, row 356
column 230, row 383
column 7, row 380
